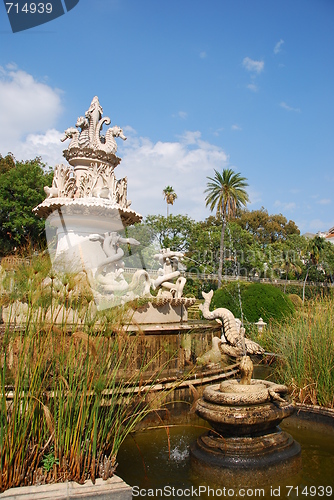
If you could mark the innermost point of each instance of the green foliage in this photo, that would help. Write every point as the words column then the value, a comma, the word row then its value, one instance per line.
column 6, row 163
column 257, row 299
column 21, row 189
column 226, row 192
column 305, row 345
column 328, row 261
column 49, row 460
column 172, row 232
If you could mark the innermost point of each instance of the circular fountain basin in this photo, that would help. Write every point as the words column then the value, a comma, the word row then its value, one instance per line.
column 154, row 458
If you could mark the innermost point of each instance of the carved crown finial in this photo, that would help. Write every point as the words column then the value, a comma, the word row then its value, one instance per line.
column 86, row 138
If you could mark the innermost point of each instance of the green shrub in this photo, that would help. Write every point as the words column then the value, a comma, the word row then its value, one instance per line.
column 257, row 300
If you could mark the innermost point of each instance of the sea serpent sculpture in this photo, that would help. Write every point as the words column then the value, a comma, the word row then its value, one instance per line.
column 233, row 340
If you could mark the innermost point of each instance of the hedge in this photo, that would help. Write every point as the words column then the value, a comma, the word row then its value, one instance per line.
column 257, row 300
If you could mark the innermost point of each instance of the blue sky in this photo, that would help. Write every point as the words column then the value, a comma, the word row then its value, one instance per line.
column 245, row 84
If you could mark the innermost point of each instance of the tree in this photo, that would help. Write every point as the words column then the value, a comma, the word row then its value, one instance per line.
column 225, row 194
column 328, row 261
column 173, row 233
column 21, row 189
column 289, row 264
column 170, row 196
column 264, row 227
column 315, row 249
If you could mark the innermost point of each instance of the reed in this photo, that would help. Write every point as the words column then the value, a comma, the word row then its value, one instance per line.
column 305, row 345
column 70, row 392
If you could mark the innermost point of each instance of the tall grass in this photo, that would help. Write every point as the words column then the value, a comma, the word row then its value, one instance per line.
column 70, row 393
column 305, row 345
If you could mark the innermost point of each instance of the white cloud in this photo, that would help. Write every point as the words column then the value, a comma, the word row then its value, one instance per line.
column 324, row 201
column 27, row 107
column 218, row 131
column 285, row 206
column 278, row 46
column 253, row 87
column 252, row 65
column 236, row 127
column 183, row 164
column 47, row 145
column 183, row 114
column 284, row 105
column 203, row 54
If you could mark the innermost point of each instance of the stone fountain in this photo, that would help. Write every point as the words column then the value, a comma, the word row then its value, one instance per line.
column 244, row 414
column 89, row 210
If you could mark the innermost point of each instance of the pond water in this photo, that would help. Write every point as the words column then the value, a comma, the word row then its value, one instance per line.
column 159, row 459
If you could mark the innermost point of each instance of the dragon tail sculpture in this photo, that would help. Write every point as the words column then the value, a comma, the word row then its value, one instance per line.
column 230, row 330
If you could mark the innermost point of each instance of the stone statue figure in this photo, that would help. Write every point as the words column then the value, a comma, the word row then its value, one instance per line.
column 109, row 274
column 169, row 260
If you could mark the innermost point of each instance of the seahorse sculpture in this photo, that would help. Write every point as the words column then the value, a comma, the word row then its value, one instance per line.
column 107, row 143
column 232, row 339
column 93, row 115
column 83, row 124
column 71, row 133
column 110, row 244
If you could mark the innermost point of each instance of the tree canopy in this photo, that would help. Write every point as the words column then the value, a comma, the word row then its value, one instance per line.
column 264, row 227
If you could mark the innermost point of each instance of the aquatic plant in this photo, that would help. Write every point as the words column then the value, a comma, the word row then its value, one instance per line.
column 304, row 344
column 70, row 391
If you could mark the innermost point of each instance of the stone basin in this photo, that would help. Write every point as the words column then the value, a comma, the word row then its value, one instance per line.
column 241, row 410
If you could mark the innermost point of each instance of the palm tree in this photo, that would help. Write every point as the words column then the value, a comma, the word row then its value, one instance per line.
column 289, row 264
column 315, row 249
column 225, row 193
column 170, row 196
